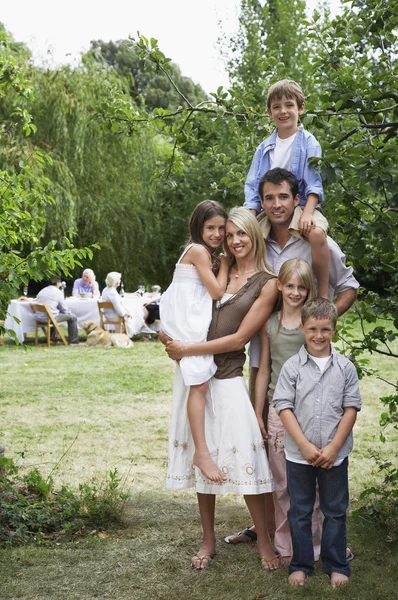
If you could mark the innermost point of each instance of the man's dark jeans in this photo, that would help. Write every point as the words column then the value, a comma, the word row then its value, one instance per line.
column 333, row 497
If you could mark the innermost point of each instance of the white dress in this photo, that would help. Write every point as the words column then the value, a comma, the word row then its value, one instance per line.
column 232, row 435
column 185, row 315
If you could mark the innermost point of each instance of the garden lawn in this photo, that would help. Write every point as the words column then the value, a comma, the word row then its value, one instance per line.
column 79, row 412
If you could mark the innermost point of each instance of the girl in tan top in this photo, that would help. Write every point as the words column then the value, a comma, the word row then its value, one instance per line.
column 232, row 432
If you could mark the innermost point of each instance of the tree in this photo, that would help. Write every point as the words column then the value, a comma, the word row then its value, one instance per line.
column 151, row 88
column 352, row 110
column 24, row 186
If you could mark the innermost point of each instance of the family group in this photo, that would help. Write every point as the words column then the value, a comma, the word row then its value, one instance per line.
column 281, row 283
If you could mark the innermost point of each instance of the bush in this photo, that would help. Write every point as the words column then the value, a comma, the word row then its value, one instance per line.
column 32, row 510
column 380, row 501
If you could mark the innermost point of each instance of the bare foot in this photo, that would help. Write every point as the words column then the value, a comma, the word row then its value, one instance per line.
column 208, row 467
column 205, row 554
column 297, row 578
column 285, row 561
column 338, row 579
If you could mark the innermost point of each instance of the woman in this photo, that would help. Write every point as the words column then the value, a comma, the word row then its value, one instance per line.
column 134, row 322
column 231, row 428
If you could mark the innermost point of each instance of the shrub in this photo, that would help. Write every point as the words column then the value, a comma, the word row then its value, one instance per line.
column 380, row 501
column 32, row 510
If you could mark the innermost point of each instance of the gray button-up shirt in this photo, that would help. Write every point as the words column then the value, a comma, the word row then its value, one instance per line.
column 317, row 399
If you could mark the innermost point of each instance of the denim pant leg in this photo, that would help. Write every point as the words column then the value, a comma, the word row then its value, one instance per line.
column 301, row 484
column 71, row 319
column 333, row 495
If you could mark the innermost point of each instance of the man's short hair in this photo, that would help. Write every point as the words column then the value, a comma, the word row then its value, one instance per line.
column 54, row 280
column 278, row 176
column 288, row 88
column 320, row 308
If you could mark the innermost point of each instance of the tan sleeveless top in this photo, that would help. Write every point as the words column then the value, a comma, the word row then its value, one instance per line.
column 226, row 320
column 283, row 344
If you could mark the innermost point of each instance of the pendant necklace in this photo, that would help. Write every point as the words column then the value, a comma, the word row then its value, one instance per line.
column 245, row 273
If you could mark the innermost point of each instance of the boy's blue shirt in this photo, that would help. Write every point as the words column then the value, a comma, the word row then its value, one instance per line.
column 304, row 146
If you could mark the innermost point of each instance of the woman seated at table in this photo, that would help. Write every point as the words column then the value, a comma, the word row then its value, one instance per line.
column 86, row 285
column 134, row 322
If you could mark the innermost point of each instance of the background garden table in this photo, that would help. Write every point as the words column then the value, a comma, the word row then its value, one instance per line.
column 85, row 309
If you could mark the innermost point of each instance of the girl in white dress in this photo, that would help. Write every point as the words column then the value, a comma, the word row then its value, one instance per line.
column 185, row 314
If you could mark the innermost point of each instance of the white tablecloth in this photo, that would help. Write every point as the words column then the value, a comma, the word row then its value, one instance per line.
column 85, row 309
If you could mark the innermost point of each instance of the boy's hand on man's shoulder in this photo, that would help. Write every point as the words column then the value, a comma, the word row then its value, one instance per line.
column 306, row 223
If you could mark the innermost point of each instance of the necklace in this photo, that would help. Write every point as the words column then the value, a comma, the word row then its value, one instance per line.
column 245, row 273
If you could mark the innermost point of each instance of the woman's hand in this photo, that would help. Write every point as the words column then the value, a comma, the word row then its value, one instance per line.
column 175, row 349
column 164, row 338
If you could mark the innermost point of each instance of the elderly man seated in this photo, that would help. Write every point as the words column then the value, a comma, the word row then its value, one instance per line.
column 54, row 298
column 86, row 285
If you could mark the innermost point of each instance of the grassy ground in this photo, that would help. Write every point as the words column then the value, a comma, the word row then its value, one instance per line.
column 110, row 408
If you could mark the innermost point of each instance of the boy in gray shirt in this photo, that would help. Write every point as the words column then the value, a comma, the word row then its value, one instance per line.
column 317, row 398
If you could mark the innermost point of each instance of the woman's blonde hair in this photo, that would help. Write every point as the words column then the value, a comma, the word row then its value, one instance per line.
column 245, row 220
column 112, row 278
column 299, row 267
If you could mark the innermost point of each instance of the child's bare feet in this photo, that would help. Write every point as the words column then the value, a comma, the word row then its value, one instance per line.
column 297, row 578
column 338, row 579
column 208, row 467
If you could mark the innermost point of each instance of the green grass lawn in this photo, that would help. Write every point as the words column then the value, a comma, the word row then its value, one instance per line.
column 110, row 407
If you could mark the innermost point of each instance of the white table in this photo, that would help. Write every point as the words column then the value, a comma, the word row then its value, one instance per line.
column 85, row 309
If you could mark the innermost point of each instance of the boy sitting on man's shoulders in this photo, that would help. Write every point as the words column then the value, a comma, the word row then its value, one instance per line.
column 289, row 147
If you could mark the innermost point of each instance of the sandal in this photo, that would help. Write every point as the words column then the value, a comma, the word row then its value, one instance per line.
column 252, row 535
column 201, row 558
column 266, row 562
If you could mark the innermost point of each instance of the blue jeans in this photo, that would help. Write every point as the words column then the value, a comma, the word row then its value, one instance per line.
column 333, row 497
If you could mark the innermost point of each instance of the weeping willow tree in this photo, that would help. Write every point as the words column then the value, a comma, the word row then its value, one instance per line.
column 25, row 193
column 101, row 180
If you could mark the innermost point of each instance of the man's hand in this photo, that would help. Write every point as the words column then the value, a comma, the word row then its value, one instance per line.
column 306, row 223
column 327, row 457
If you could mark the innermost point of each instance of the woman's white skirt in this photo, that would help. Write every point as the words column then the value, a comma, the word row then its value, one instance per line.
column 232, row 435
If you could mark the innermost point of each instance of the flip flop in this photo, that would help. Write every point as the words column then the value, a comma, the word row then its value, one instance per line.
column 247, row 532
column 349, row 554
column 201, row 558
column 266, row 562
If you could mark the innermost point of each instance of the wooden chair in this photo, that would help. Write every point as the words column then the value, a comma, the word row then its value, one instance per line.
column 47, row 325
column 119, row 323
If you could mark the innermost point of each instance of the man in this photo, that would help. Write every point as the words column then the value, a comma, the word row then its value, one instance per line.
column 86, row 285
column 279, row 193
column 54, row 298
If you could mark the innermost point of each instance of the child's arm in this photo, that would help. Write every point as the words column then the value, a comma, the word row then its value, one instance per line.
column 199, row 256
column 262, row 380
column 310, row 452
column 329, row 453
column 253, row 321
column 252, row 198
